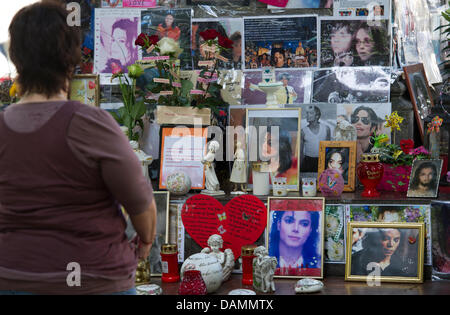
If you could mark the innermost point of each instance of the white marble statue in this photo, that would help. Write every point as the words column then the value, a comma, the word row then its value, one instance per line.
column 226, row 258
column 211, row 182
column 263, row 270
column 344, row 131
column 239, row 173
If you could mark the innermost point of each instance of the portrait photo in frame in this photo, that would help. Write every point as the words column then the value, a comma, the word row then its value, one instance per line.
column 162, row 200
column 182, row 149
column 341, row 156
column 419, row 93
column 424, row 180
column 440, row 226
column 282, row 156
column 390, row 252
column 85, row 88
column 295, row 236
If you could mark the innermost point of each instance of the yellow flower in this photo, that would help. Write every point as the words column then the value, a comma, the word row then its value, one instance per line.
column 397, row 154
column 14, row 90
column 393, row 121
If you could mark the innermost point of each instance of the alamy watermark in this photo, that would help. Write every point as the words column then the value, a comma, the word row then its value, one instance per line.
column 74, row 277
column 74, row 16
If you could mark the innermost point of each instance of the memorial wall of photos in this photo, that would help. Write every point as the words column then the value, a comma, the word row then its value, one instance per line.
column 336, row 64
column 333, row 65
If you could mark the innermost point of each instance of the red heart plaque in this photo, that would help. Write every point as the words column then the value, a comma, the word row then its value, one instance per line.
column 240, row 222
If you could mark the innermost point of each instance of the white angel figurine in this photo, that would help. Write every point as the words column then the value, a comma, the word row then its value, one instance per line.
column 239, row 174
column 211, row 182
column 226, row 258
column 263, row 270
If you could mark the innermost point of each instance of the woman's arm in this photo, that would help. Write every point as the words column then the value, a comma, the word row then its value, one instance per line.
column 145, row 226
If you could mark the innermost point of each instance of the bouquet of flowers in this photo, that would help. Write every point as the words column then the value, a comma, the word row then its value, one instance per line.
column 172, row 90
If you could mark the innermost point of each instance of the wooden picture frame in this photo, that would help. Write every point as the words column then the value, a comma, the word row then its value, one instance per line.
column 265, row 117
column 85, row 88
column 417, row 83
column 329, row 148
column 393, row 249
column 309, row 262
column 192, row 139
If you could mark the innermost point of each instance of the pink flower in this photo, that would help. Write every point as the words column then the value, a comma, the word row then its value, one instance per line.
column 420, row 150
column 115, row 68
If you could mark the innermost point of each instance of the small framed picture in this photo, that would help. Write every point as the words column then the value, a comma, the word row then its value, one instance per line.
column 386, row 252
column 424, row 180
column 341, row 156
column 85, row 88
column 295, row 236
column 420, row 94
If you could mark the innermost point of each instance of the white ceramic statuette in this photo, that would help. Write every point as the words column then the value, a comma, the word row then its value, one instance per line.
column 210, row 268
column 226, row 258
column 239, row 172
column 211, row 182
column 308, row 286
column 263, row 270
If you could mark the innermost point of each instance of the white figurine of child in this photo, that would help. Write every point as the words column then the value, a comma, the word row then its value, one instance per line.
column 226, row 258
column 211, row 182
column 239, row 174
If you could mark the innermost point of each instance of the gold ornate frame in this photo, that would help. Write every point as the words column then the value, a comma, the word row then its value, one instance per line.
column 382, row 225
column 83, row 77
column 351, row 160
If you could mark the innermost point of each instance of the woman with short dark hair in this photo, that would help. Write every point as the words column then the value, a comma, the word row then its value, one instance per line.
column 65, row 170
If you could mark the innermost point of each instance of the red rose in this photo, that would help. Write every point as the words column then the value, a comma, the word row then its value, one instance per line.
column 407, row 145
column 225, row 42
column 153, row 40
column 209, row 34
column 142, row 40
column 222, row 113
column 91, row 85
column 86, row 51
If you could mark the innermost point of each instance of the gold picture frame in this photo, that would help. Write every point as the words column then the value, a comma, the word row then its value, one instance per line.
column 400, row 246
column 295, row 152
column 85, row 88
column 309, row 247
column 349, row 160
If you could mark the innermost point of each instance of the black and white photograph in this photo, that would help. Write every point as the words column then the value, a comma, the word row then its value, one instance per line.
column 229, row 27
column 296, row 87
column 351, row 85
column 368, row 119
column 172, row 23
column 419, row 93
column 424, row 180
column 389, row 252
column 346, row 42
column 280, row 42
column 318, row 124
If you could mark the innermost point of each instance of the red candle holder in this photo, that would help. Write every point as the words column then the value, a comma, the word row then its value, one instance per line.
column 370, row 172
column 247, row 264
column 169, row 259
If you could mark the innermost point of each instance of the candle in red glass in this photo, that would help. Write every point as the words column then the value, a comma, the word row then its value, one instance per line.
column 370, row 172
column 169, row 261
column 247, row 264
